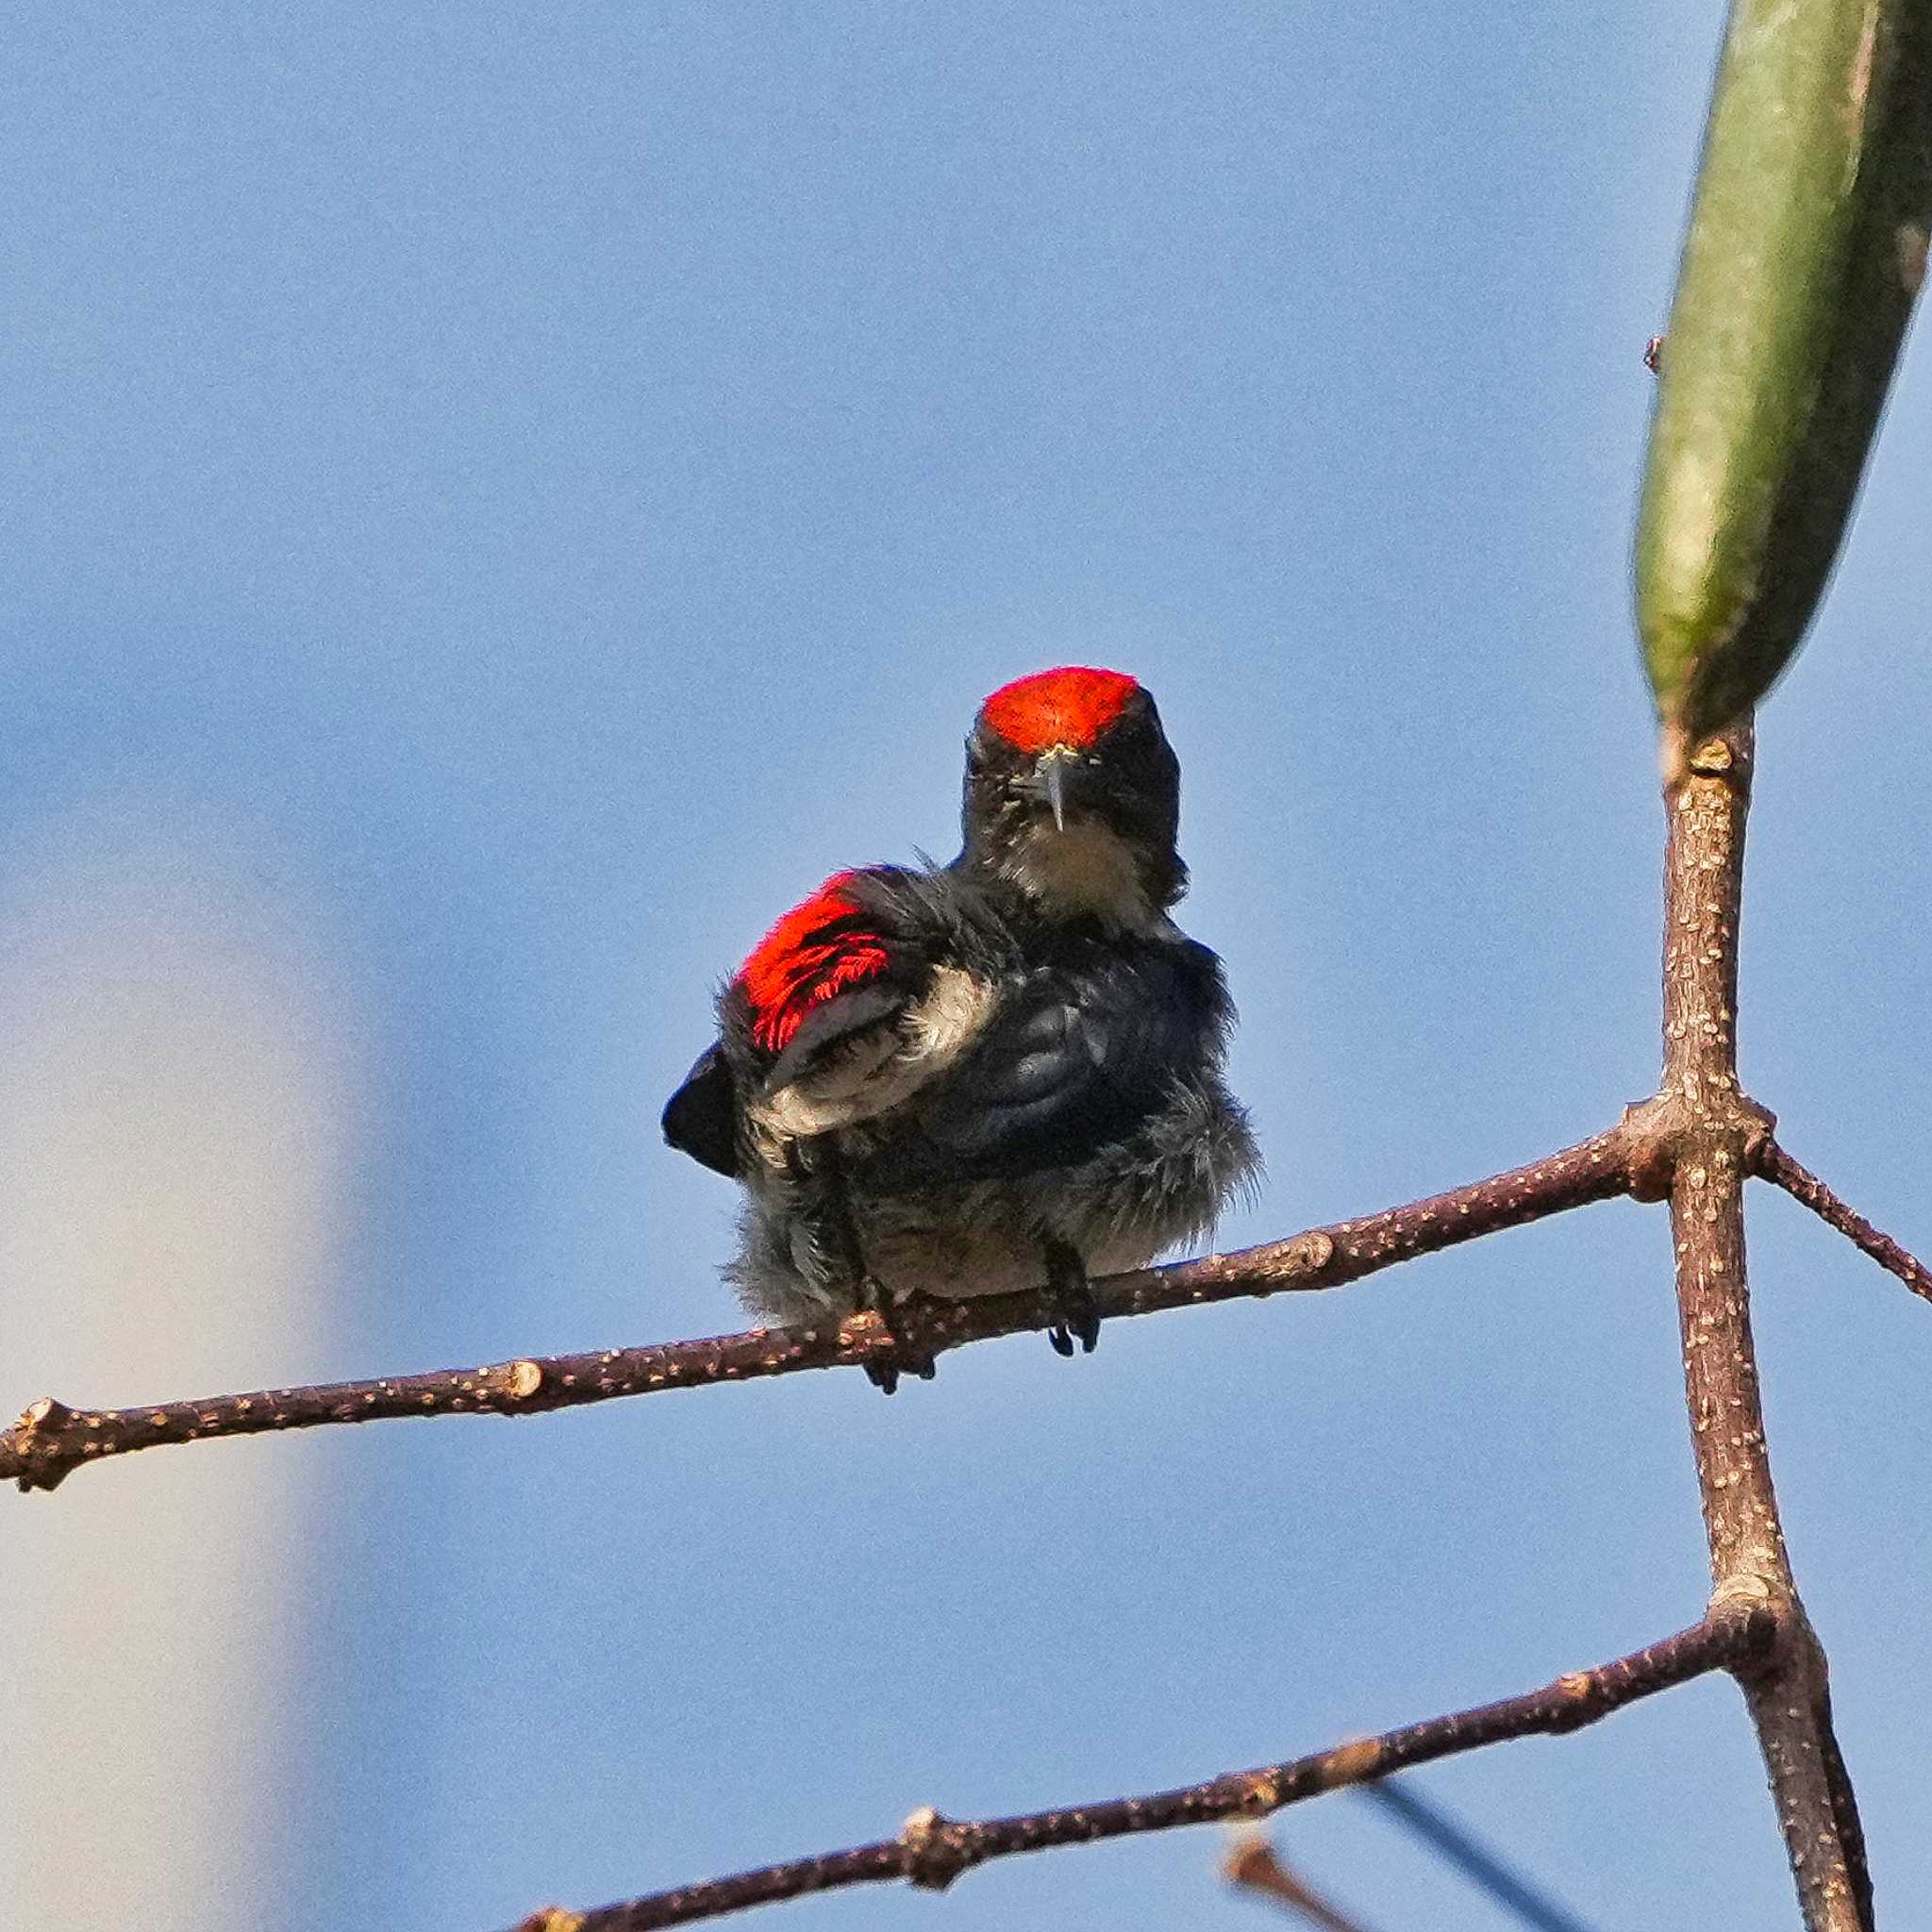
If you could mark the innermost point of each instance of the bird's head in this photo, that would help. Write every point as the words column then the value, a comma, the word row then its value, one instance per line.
column 1072, row 796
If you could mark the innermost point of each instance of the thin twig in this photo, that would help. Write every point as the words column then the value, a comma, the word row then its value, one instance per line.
column 52, row 1439
column 1802, row 1185
column 1476, row 1862
column 931, row 1851
column 1254, row 1865
column 1720, row 1136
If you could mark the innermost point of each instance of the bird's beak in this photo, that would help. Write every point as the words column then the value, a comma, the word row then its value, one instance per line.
column 1053, row 778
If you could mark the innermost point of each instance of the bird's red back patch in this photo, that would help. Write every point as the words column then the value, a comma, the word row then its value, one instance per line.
column 811, row 955
column 1072, row 704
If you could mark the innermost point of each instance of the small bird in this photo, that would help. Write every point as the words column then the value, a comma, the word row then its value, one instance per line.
column 962, row 1080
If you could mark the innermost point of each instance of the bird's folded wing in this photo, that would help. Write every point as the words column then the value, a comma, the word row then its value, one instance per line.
column 1072, row 1063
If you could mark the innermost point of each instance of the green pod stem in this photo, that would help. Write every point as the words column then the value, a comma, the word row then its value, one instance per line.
column 1806, row 250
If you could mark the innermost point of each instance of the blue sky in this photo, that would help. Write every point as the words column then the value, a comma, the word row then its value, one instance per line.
column 499, row 501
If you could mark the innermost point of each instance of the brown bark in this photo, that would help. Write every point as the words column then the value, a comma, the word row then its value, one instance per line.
column 931, row 1851
column 1804, row 1186
column 1694, row 1144
column 51, row 1440
column 1716, row 1136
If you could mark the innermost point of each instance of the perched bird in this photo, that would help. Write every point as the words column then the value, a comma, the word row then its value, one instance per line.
column 978, row 1076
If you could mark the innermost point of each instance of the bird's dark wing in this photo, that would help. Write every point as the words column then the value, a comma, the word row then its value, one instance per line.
column 701, row 1118
column 1075, row 1059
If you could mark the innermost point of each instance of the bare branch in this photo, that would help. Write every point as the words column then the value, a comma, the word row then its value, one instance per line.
column 1254, row 1865
column 1719, row 1138
column 51, row 1440
column 1775, row 1165
column 931, row 1851
column 1693, row 1144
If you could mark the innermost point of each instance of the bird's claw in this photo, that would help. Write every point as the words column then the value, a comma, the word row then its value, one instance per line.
column 1078, row 1315
column 1078, row 1323
column 901, row 1359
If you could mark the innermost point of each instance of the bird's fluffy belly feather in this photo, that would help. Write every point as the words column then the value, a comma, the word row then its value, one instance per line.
column 1163, row 1186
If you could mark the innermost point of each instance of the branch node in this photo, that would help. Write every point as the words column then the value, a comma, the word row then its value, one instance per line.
column 1310, row 1253
column 1579, row 1700
column 522, row 1381
column 1741, row 1595
column 1650, row 1132
column 1353, row 1763
column 46, row 1455
column 1712, row 757
column 1657, row 1135
column 1755, row 1628
column 934, row 1850
column 1260, row 1793
column 1760, row 1134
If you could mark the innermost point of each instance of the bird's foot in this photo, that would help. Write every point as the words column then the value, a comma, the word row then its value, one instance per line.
column 900, row 1357
column 1078, row 1315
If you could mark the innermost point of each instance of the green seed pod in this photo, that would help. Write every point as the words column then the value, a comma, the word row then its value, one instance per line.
column 1805, row 249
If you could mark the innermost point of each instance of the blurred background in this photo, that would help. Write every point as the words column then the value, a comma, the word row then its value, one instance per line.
column 498, row 500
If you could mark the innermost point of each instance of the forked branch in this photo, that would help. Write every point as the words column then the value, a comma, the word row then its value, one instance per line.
column 1694, row 1143
column 1719, row 1137
column 51, row 1440
column 931, row 1851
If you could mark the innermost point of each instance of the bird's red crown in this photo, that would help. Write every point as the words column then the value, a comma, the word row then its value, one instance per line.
column 817, row 949
column 1071, row 705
